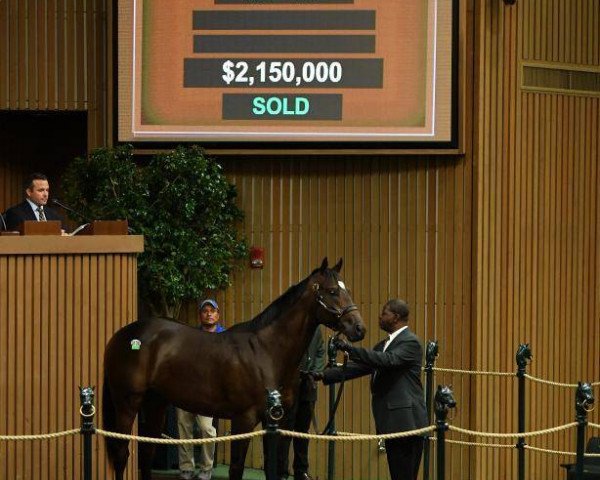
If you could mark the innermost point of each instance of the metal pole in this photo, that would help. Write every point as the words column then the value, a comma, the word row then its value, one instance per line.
column 442, row 426
column 580, row 448
column 522, row 357
column 87, row 410
column 431, row 352
column 584, row 399
column 331, row 362
column 444, row 400
column 274, row 414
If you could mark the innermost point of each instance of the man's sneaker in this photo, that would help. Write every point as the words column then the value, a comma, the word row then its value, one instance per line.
column 186, row 475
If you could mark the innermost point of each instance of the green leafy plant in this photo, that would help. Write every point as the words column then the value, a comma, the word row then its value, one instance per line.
column 183, row 205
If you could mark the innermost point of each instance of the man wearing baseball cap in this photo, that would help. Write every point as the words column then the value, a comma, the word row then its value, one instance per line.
column 208, row 315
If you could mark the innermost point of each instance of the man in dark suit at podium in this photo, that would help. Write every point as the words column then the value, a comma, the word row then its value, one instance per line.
column 33, row 207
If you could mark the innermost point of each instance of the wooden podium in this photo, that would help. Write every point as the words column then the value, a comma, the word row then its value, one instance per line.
column 33, row 227
column 105, row 227
column 53, row 227
column 61, row 299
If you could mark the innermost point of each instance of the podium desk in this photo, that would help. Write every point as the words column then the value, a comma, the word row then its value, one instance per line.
column 61, row 299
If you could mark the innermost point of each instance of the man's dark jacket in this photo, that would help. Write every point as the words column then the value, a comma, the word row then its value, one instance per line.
column 313, row 361
column 19, row 213
column 397, row 393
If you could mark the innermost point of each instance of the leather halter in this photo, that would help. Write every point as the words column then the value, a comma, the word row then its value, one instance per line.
column 339, row 313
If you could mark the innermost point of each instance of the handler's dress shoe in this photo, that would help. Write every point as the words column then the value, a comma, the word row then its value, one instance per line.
column 303, row 476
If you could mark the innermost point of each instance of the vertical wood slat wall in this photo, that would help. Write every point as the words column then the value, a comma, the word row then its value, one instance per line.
column 537, row 227
column 56, row 314
column 402, row 227
column 533, row 216
column 55, row 55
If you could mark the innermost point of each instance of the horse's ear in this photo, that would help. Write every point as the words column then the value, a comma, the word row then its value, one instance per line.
column 324, row 264
column 338, row 265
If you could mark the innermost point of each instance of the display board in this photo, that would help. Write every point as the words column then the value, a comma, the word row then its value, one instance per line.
column 341, row 71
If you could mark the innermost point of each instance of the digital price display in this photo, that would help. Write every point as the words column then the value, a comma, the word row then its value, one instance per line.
column 286, row 70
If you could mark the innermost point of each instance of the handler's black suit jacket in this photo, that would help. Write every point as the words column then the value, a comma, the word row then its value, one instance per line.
column 16, row 215
column 397, row 393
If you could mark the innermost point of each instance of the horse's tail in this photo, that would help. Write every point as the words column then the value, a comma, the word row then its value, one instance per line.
column 109, row 420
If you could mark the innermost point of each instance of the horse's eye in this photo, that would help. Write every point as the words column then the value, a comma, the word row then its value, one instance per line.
column 333, row 292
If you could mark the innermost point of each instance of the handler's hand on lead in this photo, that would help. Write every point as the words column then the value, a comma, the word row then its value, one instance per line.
column 342, row 344
column 316, row 376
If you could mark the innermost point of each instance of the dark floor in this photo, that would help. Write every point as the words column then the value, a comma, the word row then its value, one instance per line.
column 221, row 473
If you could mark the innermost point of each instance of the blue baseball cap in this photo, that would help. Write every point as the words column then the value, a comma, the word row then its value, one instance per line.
column 209, row 301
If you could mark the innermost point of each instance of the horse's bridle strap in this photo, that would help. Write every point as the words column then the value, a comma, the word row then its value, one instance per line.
column 336, row 311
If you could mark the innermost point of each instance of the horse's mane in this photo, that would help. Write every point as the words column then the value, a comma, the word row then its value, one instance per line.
column 282, row 303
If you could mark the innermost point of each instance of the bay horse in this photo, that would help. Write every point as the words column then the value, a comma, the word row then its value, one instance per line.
column 153, row 362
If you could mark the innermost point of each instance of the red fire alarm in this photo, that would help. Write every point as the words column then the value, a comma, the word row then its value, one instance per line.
column 257, row 257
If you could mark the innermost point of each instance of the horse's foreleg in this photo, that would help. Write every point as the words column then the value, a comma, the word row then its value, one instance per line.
column 118, row 450
column 154, row 413
column 239, row 448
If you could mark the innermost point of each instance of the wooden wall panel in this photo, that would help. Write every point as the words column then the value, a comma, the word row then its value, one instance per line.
column 56, row 315
column 536, row 270
column 54, row 55
column 491, row 249
column 402, row 226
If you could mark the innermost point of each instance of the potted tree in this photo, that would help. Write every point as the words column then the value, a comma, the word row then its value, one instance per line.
column 183, row 205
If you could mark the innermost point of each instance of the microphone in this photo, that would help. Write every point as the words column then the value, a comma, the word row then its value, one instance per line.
column 68, row 209
column 78, row 214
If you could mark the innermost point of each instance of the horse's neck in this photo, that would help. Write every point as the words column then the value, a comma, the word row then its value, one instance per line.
column 289, row 336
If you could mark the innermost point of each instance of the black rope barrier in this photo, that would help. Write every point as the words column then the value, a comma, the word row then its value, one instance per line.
column 441, row 403
column 87, row 410
column 431, row 353
column 523, row 356
column 274, row 413
column 444, row 401
column 584, row 399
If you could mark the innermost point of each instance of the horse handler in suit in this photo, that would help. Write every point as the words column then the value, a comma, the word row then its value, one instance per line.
column 397, row 396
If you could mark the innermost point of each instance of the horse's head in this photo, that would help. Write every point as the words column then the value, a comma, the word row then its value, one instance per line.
column 87, row 395
column 431, row 352
column 335, row 308
column 584, row 397
column 444, row 401
column 523, row 355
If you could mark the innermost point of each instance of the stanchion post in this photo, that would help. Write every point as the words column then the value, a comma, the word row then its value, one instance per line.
column 331, row 361
column 523, row 356
column 431, row 353
column 444, row 401
column 274, row 414
column 87, row 410
column 584, row 399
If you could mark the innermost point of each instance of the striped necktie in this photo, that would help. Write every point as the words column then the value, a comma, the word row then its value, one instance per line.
column 41, row 214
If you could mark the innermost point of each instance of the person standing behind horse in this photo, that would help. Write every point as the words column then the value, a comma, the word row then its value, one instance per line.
column 302, row 412
column 209, row 322
column 397, row 396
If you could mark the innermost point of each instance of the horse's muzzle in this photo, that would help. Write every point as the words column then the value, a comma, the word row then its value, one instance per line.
column 354, row 330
